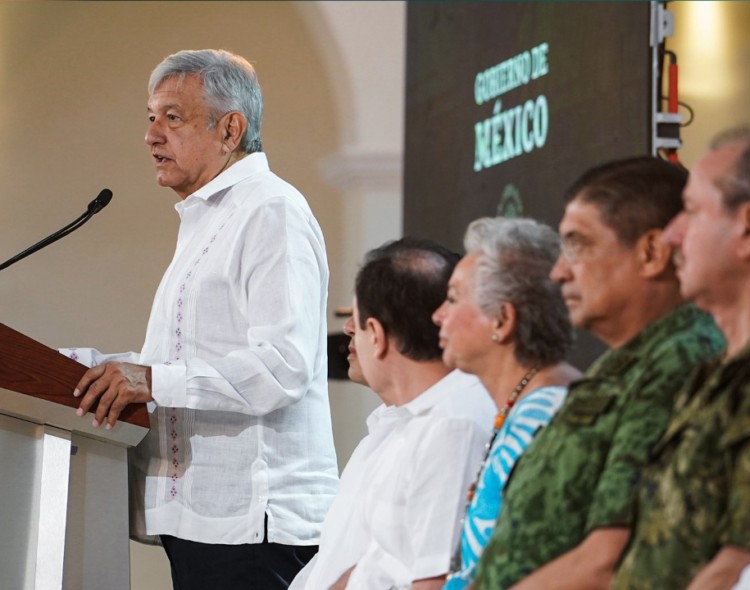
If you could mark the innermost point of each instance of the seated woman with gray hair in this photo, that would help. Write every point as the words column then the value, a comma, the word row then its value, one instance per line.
column 504, row 320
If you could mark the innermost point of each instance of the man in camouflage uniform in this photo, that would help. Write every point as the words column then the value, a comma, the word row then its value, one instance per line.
column 568, row 506
column 693, row 527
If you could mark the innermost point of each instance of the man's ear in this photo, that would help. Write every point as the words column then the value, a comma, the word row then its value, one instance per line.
column 233, row 125
column 379, row 338
column 654, row 253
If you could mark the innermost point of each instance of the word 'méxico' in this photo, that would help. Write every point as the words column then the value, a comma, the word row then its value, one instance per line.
column 518, row 129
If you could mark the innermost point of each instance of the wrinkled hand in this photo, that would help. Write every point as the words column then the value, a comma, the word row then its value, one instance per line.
column 115, row 385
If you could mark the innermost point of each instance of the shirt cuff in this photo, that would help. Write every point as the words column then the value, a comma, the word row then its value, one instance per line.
column 431, row 566
column 168, row 385
column 376, row 570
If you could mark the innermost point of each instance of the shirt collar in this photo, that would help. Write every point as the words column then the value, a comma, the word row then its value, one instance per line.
column 423, row 403
column 245, row 168
column 617, row 361
column 729, row 367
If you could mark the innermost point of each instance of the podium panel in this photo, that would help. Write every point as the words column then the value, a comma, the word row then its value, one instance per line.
column 97, row 546
column 20, row 464
column 64, row 488
column 63, row 510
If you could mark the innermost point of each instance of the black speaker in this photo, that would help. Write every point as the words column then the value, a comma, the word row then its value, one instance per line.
column 338, row 350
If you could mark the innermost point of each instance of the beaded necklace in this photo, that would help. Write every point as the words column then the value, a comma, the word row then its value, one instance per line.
column 499, row 421
column 456, row 561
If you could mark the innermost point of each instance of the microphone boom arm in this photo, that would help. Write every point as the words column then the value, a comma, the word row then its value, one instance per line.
column 101, row 201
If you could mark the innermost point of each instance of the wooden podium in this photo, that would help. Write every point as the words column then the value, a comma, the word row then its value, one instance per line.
column 63, row 483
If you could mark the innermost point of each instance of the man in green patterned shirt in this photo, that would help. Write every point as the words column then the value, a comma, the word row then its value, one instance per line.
column 568, row 506
column 693, row 527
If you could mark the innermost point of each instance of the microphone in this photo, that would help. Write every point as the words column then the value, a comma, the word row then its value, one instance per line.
column 99, row 203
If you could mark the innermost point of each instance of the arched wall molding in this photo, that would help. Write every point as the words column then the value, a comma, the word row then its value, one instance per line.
column 363, row 46
column 350, row 171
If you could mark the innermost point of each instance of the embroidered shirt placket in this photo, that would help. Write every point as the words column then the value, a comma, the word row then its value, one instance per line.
column 173, row 417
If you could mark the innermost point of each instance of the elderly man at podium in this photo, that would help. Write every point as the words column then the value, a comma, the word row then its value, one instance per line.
column 238, row 470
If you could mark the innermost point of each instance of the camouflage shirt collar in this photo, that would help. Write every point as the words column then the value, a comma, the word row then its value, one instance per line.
column 720, row 373
column 618, row 360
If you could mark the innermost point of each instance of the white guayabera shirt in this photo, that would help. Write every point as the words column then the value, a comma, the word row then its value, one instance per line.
column 403, row 492
column 241, row 426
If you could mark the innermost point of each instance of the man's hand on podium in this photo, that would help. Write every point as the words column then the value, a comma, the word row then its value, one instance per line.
column 115, row 385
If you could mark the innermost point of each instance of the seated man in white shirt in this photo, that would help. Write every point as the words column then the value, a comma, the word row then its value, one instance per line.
column 395, row 520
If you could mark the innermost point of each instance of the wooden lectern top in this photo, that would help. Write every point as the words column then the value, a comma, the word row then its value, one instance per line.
column 31, row 368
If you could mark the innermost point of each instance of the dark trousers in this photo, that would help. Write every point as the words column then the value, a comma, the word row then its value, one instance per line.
column 261, row 566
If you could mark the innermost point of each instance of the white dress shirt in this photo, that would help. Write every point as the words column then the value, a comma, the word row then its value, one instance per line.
column 241, row 426
column 403, row 492
column 744, row 582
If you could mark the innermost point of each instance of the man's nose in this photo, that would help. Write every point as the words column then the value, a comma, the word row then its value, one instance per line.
column 153, row 134
column 349, row 326
column 561, row 270
column 673, row 233
column 437, row 316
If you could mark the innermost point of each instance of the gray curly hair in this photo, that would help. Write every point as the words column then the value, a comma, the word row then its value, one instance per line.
column 736, row 185
column 515, row 260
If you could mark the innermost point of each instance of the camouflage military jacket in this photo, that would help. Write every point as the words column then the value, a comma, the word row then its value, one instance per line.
column 581, row 471
column 695, row 496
